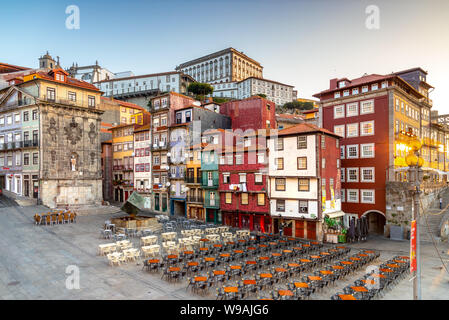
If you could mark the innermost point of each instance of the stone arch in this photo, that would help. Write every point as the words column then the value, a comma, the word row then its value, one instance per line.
column 376, row 221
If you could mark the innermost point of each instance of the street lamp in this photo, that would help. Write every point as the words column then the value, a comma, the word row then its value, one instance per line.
column 415, row 162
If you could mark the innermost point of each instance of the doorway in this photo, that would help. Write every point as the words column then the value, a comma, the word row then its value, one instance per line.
column 376, row 222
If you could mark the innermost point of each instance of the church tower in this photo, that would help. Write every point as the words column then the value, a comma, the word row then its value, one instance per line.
column 47, row 62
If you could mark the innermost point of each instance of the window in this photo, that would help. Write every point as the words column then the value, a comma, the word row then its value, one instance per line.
column 302, row 142
column 345, row 93
column 244, row 198
column 323, row 163
column 352, row 151
column 355, row 91
column 339, row 111
column 226, row 178
column 367, row 196
column 367, row 128
column 35, row 158
column 303, row 184
column 239, row 159
column 280, row 205
column 353, row 175
column 342, row 152
column 303, row 206
column 340, row 130
column 323, row 142
column 228, row 198
column 26, row 116
column 338, row 163
column 352, row 109
column 279, row 163
column 258, row 178
column 353, row 195
column 397, row 105
column 229, row 158
column 2, row 121
column 242, row 177
column 367, row 174
column 342, row 174
column 260, row 158
column 280, row 144
column 302, row 163
column 71, row 96
column 384, row 84
column 26, row 159
column 280, row 184
column 9, row 160
column 51, row 94
column 9, row 119
column 365, row 89
column 352, row 130
column 260, row 199
column 374, row 86
column 367, row 150
column 367, row 107
column 91, row 101
column 337, row 94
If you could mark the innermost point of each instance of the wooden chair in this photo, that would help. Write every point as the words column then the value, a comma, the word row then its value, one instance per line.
column 60, row 218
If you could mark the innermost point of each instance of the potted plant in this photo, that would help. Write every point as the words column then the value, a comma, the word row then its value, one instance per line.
column 342, row 236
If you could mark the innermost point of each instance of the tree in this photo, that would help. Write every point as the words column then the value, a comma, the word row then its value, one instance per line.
column 263, row 95
column 199, row 88
column 292, row 107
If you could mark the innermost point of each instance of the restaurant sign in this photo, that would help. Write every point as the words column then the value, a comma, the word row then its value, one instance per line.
column 413, row 247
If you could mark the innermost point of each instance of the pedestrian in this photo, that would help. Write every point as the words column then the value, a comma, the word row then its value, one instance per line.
column 441, row 203
column 281, row 229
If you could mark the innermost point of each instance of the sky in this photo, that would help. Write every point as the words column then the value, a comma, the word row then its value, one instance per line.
column 304, row 43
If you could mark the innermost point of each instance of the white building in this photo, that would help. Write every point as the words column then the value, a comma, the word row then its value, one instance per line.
column 157, row 82
column 142, row 162
column 227, row 65
column 277, row 92
column 304, row 178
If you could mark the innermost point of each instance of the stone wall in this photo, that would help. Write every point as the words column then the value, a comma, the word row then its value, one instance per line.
column 70, row 157
column 399, row 204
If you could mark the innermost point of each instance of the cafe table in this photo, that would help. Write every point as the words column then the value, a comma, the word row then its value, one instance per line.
column 294, row 265
column 354, row 258
column 301, row 284
column 386, row 270
column 235, row 267
column 217, row 245
column 209, row 259
column 324, row 253
column 231, row 289
column 264, row 258
column 249, row 282
column 369, row 281
column 251, row 262
column 399, row 261
column 192, row 263
column 285, row 293
column 276, row 254
column 392, row 265
column 347, row 297
column 346, row 262
column 368, row 251
column 404, row 258
column 362, row 255
column 238, row 251
column 305, row 260
column 200, row 279
column 340, row 247
column 359, row 289
column 225, row 255
column 326, row 272
column 251, row 248
column 174, row 269
column 280, row 270
column 219, row 272
column 337, row 267
column 266, row 275
column 377, row 275
column 315, row 278
column 315, row 257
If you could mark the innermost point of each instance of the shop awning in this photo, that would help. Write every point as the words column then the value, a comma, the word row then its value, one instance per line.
column 335, row 214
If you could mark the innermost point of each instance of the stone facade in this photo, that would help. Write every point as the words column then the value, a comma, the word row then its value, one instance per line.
column 70, row 167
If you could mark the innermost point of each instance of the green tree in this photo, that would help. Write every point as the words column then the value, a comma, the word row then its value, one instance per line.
column 263, row 95
column 298, row 105
column 199, row 88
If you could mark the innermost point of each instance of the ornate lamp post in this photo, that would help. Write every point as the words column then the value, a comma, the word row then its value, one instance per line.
column 415, row 162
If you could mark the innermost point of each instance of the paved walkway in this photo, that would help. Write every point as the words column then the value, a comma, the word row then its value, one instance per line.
column 35, row 258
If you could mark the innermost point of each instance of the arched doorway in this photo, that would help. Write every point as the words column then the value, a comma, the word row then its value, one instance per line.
column 376, row 222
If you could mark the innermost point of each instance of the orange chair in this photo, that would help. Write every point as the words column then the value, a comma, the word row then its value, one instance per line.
column 66, row 218
column 60, row 218
column 48, row 219
column 37, row 219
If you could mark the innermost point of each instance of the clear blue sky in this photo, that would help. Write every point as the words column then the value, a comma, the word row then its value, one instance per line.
column 303, row 43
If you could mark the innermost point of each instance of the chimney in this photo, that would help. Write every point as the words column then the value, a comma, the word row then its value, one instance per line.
column 333, row 83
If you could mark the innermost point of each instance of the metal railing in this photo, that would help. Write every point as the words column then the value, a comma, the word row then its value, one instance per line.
column 198, row 199
column 18, row 144
column 193, row 180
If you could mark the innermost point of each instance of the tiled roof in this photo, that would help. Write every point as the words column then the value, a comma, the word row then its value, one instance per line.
column 304, row 128
column 70, row 81
column 125, row 104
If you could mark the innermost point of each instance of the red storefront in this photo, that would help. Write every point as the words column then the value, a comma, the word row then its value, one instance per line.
column 243, row 188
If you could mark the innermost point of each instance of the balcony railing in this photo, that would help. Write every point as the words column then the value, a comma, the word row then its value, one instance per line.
column 159, row 146
column 209, row 183
column 193, row 180
column 18, row 144
column 118, row 167
column 198, row 199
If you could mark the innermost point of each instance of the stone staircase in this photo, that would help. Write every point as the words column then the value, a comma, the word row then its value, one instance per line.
column 433, row 220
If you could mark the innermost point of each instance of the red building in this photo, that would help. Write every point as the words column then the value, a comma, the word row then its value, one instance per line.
column 243, row 186
column 251, row 113
column 369, row 112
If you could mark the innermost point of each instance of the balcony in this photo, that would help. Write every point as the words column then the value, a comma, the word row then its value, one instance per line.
column 119, row 167
column 198, row 199
column 193, row 180
column 161, row 145
column 19, row 144
column 209, row 183
column 19, row 103
column 127, row 167
column 175, row 176
column 77, row 102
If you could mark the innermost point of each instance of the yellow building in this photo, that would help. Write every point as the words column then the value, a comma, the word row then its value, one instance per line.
column 195, row 194
column 122, row 161
column 128, row 110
